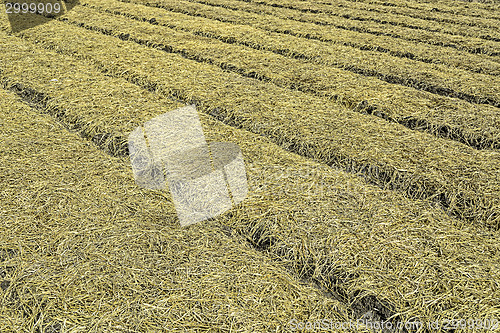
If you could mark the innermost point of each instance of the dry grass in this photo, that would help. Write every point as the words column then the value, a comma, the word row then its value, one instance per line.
column 356, row 11
column 435, row 78
column 324, row 225
column 468, row 123
column 258, row 37
column 387, row 154
column 84, row 249
column 403, row 8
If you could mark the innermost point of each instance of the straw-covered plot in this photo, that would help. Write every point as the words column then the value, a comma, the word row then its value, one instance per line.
column 468, row 44
column 83, row 249
column 475, row 125
column 478, row 63
column 462, row 179
column 372, row 249
column 389, row 14
column 429, row 14
column 481, row 47
column 435, row 78
column 330, row 15
column 306, row 12
column 462, row 8
column 423, row 12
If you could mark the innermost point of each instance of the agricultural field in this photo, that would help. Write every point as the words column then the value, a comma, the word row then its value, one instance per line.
column 370, row 136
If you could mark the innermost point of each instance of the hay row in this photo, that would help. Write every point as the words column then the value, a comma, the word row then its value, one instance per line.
column 358, row 242
column 434, row 78
column 341, row 17
column 456, row 8
column 479, row 5
column 91, row 252
column 435, row 14
column 461, row 121
column 372, row 41
column 421, row 12
column 485, row 33
column 387, row 154
column 485, row 4
column 357, row 10
column 467, row 44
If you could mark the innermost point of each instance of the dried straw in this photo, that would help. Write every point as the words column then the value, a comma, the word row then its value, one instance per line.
column 475, row 125
column 112, row 241
column 389, row 155
column 83, row 249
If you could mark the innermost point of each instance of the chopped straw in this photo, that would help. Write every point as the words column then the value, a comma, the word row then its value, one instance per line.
column 83, row 249
column 472, row 124
column 105, row 244
column 389, row 155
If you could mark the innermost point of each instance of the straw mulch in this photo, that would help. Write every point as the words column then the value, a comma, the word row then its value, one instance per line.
column 434, row 78
column 357, row 242
column 389, row 155
column 475, row 125
column 357, row 11
column 467, row 44
column 424, row 11
column 351, row 32
column 83, row 249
